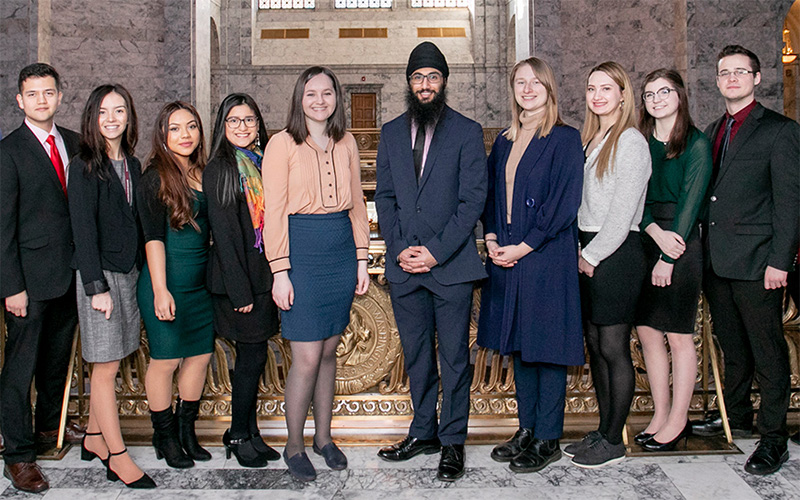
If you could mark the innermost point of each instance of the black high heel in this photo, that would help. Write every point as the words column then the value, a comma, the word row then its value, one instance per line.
column 653, row 445
column 88, row 455
column 244, row 450
column 144, row 482
column 263, row 448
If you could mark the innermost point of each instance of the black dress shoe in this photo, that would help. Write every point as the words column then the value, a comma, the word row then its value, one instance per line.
column 410, row 447
column 537, row 456
column 504, row 452
column 451, row 465
column 641, row 438
column 653, row 445
column 768, row 458
column 711, row 425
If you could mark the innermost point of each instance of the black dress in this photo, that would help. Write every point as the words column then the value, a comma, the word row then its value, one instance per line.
column 238, row 272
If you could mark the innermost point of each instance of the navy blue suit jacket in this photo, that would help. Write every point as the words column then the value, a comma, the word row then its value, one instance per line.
column 439, row 212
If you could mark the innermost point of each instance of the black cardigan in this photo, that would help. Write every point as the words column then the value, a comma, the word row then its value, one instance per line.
column 103, row 223
column 236, row 268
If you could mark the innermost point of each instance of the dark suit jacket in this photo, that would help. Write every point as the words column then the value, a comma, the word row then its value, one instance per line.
column 236, row 268
column 35, row 235
column 103, row 223
column 752, row 216
column 439, row 212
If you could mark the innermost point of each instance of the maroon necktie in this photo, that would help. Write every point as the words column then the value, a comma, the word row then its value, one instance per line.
column 57, row 164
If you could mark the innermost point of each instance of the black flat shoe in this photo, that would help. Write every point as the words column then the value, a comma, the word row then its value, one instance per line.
column 767, row 459
column 268, row 451
column 539, row 454
column 642, row 437
column 410, row 447
column 334, row 458
column 653, row 445
column 88, row 455
column 144, row 482
column 504, row 452
column 244, row 451
column 300, row 467
column 451, row 465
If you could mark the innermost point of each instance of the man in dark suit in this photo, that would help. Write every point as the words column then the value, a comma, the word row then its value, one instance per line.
column 37, row 283
column 751, row 242
column 431, row 189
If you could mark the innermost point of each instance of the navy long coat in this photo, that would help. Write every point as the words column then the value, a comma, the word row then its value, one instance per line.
column 534, row 307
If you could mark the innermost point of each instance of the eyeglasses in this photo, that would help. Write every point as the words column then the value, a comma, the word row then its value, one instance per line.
column 433, row 78
column 738, row 72
column 234, row 122
column 662, row 94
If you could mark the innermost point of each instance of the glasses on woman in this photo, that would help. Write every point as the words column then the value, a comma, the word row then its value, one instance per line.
column 234, row 122
column 662, row 94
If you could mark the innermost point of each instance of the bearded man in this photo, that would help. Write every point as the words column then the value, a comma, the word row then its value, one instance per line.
column 431, row 189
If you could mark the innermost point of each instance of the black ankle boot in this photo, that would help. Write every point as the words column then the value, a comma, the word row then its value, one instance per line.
column 187, row 414
column 165, row 439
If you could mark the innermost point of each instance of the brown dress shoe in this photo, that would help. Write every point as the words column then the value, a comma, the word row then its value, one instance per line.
column 73, row 433
column 26, row 476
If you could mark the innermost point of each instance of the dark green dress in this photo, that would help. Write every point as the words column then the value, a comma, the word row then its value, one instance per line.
column 192, row 332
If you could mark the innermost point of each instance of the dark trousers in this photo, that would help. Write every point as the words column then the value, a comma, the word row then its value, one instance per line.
column 423, row 309
column 541, row 389
column 748, row 323
column 38, row 344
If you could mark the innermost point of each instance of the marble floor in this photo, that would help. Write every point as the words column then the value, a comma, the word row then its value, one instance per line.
column 369, row 478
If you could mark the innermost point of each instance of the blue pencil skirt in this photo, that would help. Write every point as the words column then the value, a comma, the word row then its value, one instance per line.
column 323, row 274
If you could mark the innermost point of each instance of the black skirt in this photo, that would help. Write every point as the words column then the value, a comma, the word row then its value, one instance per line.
column 672, row 308
column 256, row 326
column 611, row 295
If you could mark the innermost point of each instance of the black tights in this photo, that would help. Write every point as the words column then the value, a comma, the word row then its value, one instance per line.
column 312, row 376
column 250, row 361
column 612, row 374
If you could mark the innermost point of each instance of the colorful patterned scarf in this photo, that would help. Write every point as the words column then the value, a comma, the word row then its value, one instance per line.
column 249, row 163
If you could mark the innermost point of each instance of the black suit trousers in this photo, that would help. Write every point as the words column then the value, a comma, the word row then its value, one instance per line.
column 748, row 323
column 38, row 346
column 423, row 310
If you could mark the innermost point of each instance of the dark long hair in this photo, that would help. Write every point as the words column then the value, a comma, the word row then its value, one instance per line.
column 225, row 153
column 93, row 146
column 679, row 136
column 296, row 124
column 175, row 192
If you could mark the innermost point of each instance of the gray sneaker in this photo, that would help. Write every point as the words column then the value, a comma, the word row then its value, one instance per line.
column 573, row 448
column 599, row 454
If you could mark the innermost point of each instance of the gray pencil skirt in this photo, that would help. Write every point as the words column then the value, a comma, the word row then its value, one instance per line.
column 102, row 339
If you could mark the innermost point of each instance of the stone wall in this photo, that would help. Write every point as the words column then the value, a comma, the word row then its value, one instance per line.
column 145, row 45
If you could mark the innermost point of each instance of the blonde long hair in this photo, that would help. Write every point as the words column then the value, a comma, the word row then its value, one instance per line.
column 626, row 120
column 551, row 118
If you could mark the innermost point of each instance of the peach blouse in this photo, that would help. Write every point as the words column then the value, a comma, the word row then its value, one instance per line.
column 306, row 179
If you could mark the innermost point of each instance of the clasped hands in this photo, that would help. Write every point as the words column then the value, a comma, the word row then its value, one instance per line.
column 508, row 255
column 416, row 259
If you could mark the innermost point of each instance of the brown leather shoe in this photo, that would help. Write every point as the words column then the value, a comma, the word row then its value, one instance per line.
column 26, row 476
column 73, row 433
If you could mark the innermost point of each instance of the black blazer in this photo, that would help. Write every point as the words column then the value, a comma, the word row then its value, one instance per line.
column 441, row 210
column 103, row 223
column 752, row 216
column 36, row 246
column 236, row 268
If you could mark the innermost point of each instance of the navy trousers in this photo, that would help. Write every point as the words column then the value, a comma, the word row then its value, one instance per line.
column 423, row 310
column 541, row 389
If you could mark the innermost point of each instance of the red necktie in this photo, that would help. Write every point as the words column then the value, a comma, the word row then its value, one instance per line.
column 56, row 159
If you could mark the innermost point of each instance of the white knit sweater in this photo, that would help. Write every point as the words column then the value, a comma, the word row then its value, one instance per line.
column 613, row 206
